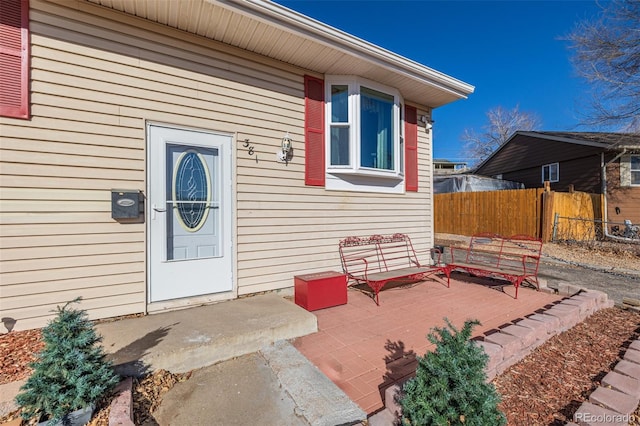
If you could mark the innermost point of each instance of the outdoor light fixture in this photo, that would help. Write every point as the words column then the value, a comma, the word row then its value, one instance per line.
column 428, row 123
column 286, row 145
column 286, row 149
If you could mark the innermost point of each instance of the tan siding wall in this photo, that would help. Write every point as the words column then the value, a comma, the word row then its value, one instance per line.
column 286, row 228
column 94, row 83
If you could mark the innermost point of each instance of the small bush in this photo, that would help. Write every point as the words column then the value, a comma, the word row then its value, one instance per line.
column 450, row 386
column 70, row 373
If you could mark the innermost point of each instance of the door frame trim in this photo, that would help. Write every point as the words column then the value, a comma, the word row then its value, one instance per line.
column 186, row 302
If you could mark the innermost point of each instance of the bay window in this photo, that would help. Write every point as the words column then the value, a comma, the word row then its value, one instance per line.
column 359, row 136
column 365, row 129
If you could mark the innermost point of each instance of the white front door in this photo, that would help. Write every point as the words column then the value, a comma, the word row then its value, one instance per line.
column 189, row 213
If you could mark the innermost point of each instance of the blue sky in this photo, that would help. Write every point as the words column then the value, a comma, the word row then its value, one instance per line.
column 509, row 50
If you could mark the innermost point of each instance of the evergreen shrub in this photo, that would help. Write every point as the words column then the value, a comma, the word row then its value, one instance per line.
column 450, row 386
column 70, row 373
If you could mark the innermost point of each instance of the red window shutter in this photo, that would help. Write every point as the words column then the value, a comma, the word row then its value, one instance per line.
column 314, row 131
column 14, row 58
column 411, row 148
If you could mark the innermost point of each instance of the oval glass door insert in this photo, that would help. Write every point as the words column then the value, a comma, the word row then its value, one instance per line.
column 191, row 190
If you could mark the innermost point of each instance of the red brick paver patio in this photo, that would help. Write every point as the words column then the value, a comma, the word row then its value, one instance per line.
column 365, row 348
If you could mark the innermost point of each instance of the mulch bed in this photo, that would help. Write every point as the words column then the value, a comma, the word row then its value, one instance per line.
column 549, row 385
column 17, row 350
column 545, row 388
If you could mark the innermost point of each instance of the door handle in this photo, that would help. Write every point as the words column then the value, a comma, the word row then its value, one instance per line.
column 154, row 209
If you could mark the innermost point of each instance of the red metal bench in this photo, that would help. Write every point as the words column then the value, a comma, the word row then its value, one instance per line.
column 515, row 258
column 379, row 259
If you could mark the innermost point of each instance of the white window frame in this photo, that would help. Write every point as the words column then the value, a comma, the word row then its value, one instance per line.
column 549, row 167
column 354, row 167
column 631, row 170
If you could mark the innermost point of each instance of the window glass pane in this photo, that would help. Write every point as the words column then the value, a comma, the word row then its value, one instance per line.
column 551, row 173
column 339, row 146
column 635, row 170
column 340, row 104
column 376, row 129
column 192, row 226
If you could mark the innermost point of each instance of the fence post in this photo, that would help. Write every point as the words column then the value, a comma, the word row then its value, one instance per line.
column 547, row 215
column 555, row 227
column 539, row 195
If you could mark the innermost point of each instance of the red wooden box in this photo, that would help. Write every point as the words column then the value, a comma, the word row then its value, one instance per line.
column 320, row 290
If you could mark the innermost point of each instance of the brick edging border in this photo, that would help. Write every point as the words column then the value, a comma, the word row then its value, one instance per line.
column 618, row 395
column 122, row 405
column 515, row 341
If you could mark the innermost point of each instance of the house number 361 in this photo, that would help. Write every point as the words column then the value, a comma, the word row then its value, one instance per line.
column 250, row 148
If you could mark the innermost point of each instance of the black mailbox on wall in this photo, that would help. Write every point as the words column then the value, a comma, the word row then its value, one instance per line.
column 126, row 204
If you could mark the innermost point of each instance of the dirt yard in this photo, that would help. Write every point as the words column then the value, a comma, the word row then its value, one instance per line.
column 608, row 256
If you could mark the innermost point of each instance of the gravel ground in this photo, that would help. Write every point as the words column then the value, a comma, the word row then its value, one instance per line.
column 605, row 256
column 613, row 268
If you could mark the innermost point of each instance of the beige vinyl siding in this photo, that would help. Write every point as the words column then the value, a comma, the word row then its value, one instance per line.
column 97, row 77
column 286, row 228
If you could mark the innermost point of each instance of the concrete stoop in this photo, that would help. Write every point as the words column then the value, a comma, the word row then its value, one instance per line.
column 317, row 399
column 184, row 340
column 189, row 339
column 515, row 341
column 201, row 337
column 8, row 391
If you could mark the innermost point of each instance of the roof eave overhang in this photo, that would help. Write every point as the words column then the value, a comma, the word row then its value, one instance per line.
column 629, row 148
column 556, row 138
column 565, row 139
column 299, row 24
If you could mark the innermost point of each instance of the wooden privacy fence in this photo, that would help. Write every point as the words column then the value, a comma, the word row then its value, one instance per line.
column 505, row 212
column 575, row 205
column 511, row 212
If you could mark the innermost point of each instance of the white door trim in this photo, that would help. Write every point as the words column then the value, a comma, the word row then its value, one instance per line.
column 208, row 298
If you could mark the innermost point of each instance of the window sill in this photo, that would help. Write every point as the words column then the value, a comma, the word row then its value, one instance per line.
column 364, row 182
column 368, row 173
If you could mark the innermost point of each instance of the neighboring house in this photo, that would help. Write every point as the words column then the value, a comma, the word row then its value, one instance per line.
column 607, row 163
column 445, row 167
column 165, row 154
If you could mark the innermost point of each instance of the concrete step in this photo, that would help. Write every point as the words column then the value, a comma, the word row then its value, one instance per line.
column 183, row 340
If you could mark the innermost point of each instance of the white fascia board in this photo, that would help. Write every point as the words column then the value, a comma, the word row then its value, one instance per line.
column 565, row 139
column 292, row 21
